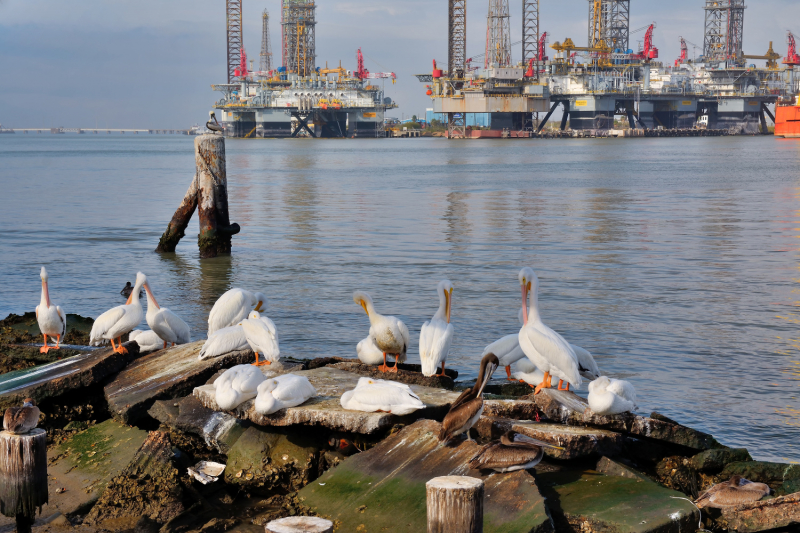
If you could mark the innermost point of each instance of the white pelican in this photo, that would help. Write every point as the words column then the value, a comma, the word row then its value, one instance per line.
column 20, row 420
column 528, row 373
column 544, row 347
column 371, row 395
column 368, row 352
column 436, row 335
column 468, row 407
column 733, row 492
column 586, row 363
column 147, row 340
column 507, row 350
column 236, row 385
column 118, row 321
column 512, row 452
column 287, row 390
column 233, row 307
column 611, row 396
column 389, row 333
column 224, row 341
column 166, row 324
column 51, row 318
column 262, row 337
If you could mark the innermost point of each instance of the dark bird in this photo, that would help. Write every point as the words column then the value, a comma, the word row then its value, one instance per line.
column 20, row 420
column 128, row 289
column 467, row 408
column 343, row 445
column 512, row 452
column 213, row 126
column 735, row 491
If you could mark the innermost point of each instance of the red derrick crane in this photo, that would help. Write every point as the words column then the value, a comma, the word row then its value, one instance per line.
column 684, row 53
column 242, row 70
column 649, row 52
column 363, row 74
column 540, row 55
column 792, row 58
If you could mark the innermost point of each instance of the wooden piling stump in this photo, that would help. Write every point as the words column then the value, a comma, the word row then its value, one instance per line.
column 208, row 193
column 300, row 524
column 23, row 476
column 455, row 504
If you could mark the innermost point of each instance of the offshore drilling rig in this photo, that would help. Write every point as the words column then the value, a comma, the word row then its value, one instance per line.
column 605, row 79
column 297, row 99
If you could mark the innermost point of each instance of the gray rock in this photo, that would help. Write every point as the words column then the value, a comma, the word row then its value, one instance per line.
column 383, row 489
column 763, row 515
column 716, row 459
column 161, row 375
column 610, row 467
column 218, row 430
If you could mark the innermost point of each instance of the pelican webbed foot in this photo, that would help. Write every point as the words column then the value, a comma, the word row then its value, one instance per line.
column 442, row 374
column 58, row 343
column 544, row 384
column 384, row 367
column 261, row 363
column 45, row 348
column 560, row 383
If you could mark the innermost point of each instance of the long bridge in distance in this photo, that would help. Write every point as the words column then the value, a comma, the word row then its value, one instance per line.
column 95, row 131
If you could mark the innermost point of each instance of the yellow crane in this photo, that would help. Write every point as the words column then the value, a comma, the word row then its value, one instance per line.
column 603, row 52
column 771, row 57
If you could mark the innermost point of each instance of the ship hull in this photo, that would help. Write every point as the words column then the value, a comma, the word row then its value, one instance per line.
column 787, row 121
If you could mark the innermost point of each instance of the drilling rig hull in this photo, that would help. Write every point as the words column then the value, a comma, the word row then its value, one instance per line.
column 787, row 121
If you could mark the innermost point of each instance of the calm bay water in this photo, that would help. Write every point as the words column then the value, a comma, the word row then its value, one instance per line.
column 674, row 261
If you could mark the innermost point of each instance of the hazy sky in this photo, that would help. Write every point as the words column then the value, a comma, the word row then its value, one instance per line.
column 150, row 63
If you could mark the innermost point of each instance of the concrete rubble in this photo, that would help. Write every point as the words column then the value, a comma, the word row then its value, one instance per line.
column 365, row 471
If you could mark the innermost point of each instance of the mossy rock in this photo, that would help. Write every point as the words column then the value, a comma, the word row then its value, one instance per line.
column 716, row 459
column 781, row 477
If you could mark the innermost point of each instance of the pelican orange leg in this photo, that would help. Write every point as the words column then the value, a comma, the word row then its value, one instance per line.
column 396, row 362
column 560, row 382
column 545, row 383
column 262, row 363
column 58, row 343
column 383, row 367
column 442, row 374
column 508, row 373
column 45, row 348
column 121, row 348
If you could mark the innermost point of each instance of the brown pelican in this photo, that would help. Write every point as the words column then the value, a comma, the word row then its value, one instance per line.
column 128, row 289
column 467, row 408
column 735, row 491
column 512, row 452
column 20, row 420
column 214, row 126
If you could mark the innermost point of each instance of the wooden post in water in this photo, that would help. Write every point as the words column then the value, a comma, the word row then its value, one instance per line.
column 208, row 193
column 455, row 504
column 23, row 476
column 300, row 524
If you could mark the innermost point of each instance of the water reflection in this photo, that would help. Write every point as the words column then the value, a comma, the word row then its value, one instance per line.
column 456, row 217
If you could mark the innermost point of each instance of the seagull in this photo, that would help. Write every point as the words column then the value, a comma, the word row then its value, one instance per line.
column 214, row 126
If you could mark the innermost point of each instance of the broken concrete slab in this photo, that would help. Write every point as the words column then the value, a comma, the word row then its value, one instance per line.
column 383, row 489
column 584, row 501
column 409, row 374
column 611, row 467
column 577, row 441
column 715, row 460
column 271, row 460
column 54, row 379
column 218, row 430
column 164, row 374
column 568, row 408
column 327, row 411
column 763, row 515
column 148, row 486
column 80, row 468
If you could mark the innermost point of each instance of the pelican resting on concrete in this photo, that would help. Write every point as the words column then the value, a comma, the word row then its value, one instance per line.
column 368, row 352
column 262, row 337
column 233, row 307
column 51, row 318
column 735, row 491
column 236, row 385
column 147, row 340
column 468, row 407
column 609, row 396
column 436, row 335
column 224, row 341
column 118, row 321
column 544, row 347
column 166, row 324
column 389, row 333
column 20, row 420
column 378, row 395
column 512, row 452
column 287, row 390
column 214, row 126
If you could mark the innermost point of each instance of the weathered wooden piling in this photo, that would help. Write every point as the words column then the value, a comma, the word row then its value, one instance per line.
column 23, row 476
column 208, row 193
column 300, row 524
column 455, row 504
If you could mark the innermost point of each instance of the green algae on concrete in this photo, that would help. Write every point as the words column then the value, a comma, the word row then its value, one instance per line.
column 590, row 501
column 383, row 489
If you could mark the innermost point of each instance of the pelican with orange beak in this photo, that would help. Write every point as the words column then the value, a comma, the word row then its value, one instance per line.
column 436, row 335
column 544, row 347
column 120, row 320
column 51, row 318
column 164, row 323
column 233, row 307
column 389, row 333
